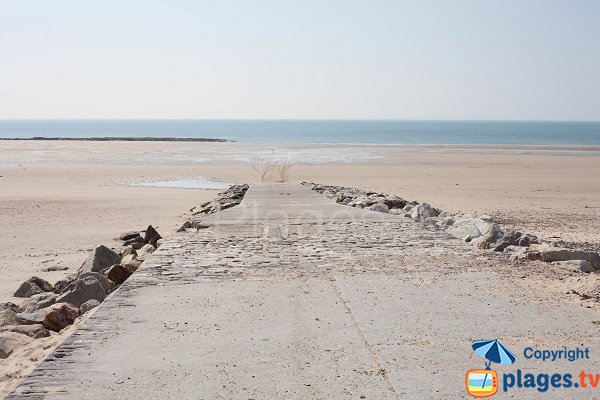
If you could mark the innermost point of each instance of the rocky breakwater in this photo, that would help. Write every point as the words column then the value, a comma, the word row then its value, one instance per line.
column 48, row 309
column 231, row 197
column 480, row 230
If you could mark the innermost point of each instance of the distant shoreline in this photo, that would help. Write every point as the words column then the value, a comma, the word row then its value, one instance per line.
column 122, row 139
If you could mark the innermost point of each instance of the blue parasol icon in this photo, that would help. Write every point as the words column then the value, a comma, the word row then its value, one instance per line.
column 493, row 351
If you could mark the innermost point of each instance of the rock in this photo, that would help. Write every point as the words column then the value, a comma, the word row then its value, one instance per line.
column 128, row 251
column 56, row 268
column 137, row 239
column 559, row 254
column 28, row 289
column 380, row 207
column 446, row 222
column 396, row 211
column 159, row 242
column 106, row 283
column 423, row 211
column 32, row 286
column 578, row 265
column 102, row 257
column 151, row 236
column 9, row 306
column 473, row 227
column 131, row 262
column 186, row 225
column 88, row 306
column 129, row 235
column 42, row 283
column 82, row 290
column 8, row 317
column 31, row 318
column 10, row 341
column 60, row 315
column 38, row 301
column 486, row 218
column 34, row 331
column 145, row 252
column 60, row 286
column 118, row 273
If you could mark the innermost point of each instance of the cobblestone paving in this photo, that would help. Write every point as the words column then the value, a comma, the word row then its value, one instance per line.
column 297, row 301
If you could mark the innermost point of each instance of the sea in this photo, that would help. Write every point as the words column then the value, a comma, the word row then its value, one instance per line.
column 320, row 131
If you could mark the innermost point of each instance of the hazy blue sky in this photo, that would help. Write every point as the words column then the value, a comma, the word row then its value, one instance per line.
column 304, row 59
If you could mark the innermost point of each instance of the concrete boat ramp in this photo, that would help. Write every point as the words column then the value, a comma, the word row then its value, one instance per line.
column 291, row 296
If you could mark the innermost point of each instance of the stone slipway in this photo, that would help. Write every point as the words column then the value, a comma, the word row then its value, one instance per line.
column 291, row 296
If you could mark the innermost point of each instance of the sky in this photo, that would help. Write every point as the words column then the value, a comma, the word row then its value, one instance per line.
column 346, row 59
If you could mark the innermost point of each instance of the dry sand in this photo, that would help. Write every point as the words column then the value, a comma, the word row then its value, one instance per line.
column 60, row 199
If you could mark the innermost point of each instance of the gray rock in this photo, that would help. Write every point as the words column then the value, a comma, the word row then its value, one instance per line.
column 131, row 262
column 61, row 286
column 102, row 257
column 35, row 331
column 145, row 252
column 137, row 246
column 152, row 236
column 137, row 239
column 88, row 306
column 118, row 273
column 9, row 306
column 473, row 227
column 558, row 254
column 106, row 283
column 186, row 225
column 39, row 301
column 128, row 251
column 129, row 235
column 31, row 318
column 423, row 211
column 28, row 289
column 8, row 317
column 82, row 290
column 380, row 207
column 32, row 286
column 578, row 265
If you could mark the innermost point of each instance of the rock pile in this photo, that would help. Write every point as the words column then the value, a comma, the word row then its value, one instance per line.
column 227, row 199
column 481, row 230
column 50, row 308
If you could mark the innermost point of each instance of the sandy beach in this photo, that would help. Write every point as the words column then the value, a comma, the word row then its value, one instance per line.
column 59, row 200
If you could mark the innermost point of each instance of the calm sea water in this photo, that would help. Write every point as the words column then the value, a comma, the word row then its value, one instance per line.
column 320, row 131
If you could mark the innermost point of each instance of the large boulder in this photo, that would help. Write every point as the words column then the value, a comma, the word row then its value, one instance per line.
column 131, row 262
column 60, row 315
column 8, row 317
column 559, row 254
column 33, row 286
column 101, row 257
column 34, row 331
column 106, row 283
column 469, row 227
column 423, row 211
column 61, row 285
column 41, row 300
column 129, row 235
column 82, row 290
column 118, row 273
column 145, row 252
column 88, row 306
column 152, row 236
column 31, row 318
